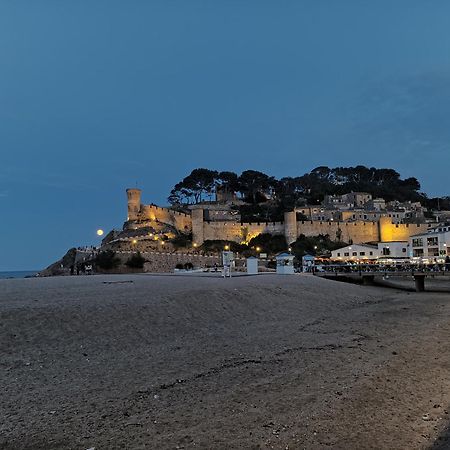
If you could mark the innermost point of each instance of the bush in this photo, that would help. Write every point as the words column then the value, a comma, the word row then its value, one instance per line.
column 179, row 266
column 268, row 243
column 182, row 240
column 107, row 260
column 189, row 266
column 219, row 246
column 136, row 261
column 315, row 245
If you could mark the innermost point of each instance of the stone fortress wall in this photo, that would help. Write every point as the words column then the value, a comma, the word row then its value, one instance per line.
column 139, row 212
column 163, row 262
column 357, row 232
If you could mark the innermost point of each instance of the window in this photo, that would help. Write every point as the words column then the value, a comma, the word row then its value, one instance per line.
column 362, row 253
column 386, row 251
column 371, row 253
column 417, row 242
column 339, row 254
column 404, row 250
column 432, row 241
column 346, row 254
column 355, row 254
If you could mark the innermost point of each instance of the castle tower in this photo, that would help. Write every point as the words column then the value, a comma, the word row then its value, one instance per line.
column 290, row 226
column 134, row 203
column 197, row 226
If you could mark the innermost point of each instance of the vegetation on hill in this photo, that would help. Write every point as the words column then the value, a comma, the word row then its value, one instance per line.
column 135, row 261
column 107, row 260
column 267, row 197
column 320, row 245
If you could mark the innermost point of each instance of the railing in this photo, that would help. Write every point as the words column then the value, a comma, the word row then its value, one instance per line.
column 364, row 269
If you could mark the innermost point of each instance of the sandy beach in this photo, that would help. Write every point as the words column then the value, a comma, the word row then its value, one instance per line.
column 156, row 362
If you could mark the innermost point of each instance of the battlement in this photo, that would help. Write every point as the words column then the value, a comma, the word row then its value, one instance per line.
column 197, row 222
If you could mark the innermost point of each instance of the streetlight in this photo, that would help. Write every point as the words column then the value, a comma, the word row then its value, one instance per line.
column 134, row 241
column 227, row 247
column 258, row 249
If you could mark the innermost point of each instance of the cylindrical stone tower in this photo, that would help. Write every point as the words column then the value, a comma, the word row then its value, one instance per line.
column 290, row 226
column 134, row 203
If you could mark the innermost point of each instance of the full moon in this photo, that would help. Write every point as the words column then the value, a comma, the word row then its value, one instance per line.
column 99, row 232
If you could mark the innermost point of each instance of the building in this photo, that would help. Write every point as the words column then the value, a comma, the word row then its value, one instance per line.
column 393, row 251
column 432, row 245
column 383, row 252
column 222, row 221
column 350, row 200
column 356, row 252
column 376, row 204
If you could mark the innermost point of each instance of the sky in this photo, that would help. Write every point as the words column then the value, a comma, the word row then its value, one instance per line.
column 97, row 96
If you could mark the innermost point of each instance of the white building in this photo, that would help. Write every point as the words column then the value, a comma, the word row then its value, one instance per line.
column 432, row 245
column 382, row 252
column 393, row 251
column 355, row 252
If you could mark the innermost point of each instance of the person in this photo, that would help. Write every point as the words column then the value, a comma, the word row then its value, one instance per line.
column 447, row 263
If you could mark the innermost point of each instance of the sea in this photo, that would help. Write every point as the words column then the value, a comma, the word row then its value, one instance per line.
column 18, row 274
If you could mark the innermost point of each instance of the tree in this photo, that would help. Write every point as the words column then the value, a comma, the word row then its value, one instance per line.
column 314, row 245
column 268, row 243
column 290, row 192
column 227, row 182
column 136, row 261
column 107, row 260
column 192, row 188
column 256, row 186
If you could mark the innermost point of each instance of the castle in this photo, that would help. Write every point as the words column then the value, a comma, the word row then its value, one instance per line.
column 220, row 221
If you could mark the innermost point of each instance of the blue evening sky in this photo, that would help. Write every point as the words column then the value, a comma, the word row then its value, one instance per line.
column 97, row 96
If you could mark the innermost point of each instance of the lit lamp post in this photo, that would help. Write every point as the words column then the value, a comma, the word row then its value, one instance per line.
column 227, row 247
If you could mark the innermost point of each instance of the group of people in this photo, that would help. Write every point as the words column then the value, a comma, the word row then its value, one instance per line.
column 81, row 268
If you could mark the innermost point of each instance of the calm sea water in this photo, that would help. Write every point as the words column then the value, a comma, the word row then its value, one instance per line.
column 19, row 274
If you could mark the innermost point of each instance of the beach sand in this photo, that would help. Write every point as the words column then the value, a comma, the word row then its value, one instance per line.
column 200, row 362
